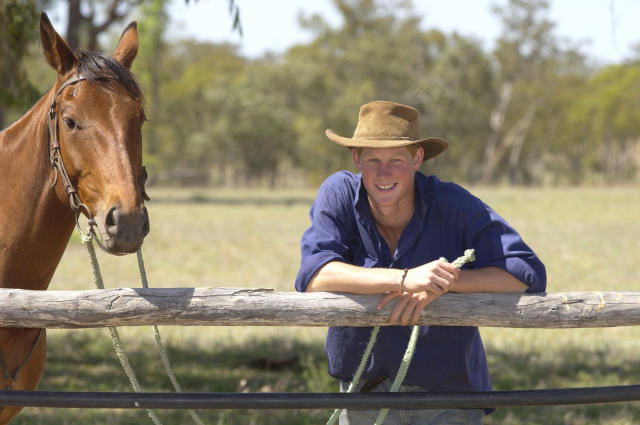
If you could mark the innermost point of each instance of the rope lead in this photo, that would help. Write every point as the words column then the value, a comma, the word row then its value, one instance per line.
column 467, row 257
column 115, row 338
column 160, row 345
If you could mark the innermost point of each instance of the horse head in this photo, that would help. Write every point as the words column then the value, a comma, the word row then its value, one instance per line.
column 95, row 124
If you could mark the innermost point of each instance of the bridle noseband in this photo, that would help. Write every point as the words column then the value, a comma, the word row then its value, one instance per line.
column 56, row 162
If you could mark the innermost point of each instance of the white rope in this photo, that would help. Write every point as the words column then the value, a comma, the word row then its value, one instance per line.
column 115, row 338
column 356, row 378
column 467, row 257
column 159, row 344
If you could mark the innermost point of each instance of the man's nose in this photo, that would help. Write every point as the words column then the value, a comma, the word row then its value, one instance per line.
column 385, row 169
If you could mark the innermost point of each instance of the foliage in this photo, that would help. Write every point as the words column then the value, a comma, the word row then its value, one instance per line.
column 18, row 19
column 533, row 110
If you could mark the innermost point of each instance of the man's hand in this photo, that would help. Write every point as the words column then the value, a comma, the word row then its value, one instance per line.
column 435, row 277
column 421, row 286
column 409, row 306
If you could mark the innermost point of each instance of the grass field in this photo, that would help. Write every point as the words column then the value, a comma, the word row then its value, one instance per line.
column 587, row 237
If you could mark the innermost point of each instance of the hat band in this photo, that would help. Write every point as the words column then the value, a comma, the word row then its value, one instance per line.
column 386, row 138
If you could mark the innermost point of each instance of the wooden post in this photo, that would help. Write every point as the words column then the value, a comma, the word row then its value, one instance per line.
column 264, row 307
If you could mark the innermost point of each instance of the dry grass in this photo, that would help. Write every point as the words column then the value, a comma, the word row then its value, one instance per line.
column 587, row 237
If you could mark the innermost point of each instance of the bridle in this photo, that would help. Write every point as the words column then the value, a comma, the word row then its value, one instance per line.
column 56, row 162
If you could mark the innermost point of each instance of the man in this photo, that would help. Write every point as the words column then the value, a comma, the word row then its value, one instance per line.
column 382, row 232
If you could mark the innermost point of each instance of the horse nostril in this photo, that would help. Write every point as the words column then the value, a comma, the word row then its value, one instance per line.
column 111, row 221
column 145, row 223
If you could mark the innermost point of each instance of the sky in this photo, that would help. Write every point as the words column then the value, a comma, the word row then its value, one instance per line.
column 607, row 29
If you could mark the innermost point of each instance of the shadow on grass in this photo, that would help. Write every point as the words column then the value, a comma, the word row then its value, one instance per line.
column 84, row 361
column 572, row 367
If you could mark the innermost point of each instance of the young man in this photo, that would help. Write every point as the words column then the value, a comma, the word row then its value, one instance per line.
column 382, row 232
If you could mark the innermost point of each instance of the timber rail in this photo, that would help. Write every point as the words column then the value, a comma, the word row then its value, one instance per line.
column 264, row 307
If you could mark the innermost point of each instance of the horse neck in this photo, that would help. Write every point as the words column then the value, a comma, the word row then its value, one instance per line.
column 37, row 222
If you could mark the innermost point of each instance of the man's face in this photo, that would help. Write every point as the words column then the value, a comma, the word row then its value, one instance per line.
column 388, row 173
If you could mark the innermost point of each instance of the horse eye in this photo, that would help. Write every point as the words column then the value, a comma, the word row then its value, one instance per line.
column 71, row 124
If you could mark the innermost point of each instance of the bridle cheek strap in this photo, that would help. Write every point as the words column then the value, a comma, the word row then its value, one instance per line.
column 55, row 157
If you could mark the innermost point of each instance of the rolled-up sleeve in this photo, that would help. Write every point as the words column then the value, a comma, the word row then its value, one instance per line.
column 498, row 244
column 326, row 239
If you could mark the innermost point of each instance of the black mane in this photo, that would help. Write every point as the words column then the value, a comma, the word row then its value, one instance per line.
column 99, row 68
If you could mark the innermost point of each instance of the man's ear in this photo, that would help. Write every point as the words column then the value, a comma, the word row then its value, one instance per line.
column 356, row 157
column 418, row 158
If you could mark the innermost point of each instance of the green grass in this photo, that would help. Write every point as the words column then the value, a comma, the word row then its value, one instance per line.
column 587, row 238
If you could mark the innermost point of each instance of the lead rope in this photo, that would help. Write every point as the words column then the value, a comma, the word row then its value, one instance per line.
column 115, row 338
column 467, row 257
column 159, row 344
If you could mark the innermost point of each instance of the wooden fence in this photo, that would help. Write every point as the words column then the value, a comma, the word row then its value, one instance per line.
column 263, row 307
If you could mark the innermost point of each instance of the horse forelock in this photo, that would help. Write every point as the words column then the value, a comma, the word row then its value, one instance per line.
column 101, row 69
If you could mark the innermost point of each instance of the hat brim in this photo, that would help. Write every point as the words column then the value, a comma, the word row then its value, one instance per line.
column 432, row 146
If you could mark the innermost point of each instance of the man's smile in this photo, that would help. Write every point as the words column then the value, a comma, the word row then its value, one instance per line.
column 386, row 187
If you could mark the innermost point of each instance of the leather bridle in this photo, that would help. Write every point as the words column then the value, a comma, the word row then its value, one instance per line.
column 55, row 157
column 56, row 162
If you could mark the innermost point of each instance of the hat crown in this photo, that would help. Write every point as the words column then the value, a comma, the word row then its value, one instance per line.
column 383, row 124
column 387, row 120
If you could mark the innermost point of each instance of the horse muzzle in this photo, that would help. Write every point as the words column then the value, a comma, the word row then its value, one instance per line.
column 122, row 232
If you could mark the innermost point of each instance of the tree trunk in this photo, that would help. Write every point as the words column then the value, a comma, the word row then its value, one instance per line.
column 496, row 122
column 516, row 135
column 516, row 150
column 74, row 22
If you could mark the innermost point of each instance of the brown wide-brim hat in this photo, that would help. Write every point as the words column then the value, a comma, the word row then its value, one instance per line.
column 383, row 124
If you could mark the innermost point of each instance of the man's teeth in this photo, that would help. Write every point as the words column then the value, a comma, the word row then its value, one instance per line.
column 385, row 187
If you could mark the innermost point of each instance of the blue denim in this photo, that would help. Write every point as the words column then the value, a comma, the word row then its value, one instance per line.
column 409, row 416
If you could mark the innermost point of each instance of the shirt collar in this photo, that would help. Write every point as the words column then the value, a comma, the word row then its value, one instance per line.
column 415, row 225
column 361, row 205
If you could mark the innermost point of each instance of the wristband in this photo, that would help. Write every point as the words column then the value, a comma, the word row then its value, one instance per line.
column 404, row 275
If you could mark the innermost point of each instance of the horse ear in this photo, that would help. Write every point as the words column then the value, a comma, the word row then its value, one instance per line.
column 56, row 51
column 127, row 46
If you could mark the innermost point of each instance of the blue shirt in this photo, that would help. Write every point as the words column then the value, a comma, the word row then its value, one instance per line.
column 447, row 220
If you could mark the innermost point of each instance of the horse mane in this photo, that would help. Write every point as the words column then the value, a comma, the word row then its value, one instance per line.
column 100, row 68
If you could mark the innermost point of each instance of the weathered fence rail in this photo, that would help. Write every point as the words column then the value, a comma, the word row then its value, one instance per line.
column 263, row 307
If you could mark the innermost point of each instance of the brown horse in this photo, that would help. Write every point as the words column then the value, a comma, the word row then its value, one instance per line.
column 78, row 149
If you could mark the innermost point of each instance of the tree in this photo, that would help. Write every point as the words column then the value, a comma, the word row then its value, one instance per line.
column 18, row 23
column 527, row 53
column 87, row 20
column 148, row 68
column 602, row 125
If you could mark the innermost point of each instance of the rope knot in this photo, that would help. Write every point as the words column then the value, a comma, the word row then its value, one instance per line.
column 85, row 237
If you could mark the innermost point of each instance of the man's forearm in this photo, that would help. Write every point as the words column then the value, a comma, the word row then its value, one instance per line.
column 488, row 279
column 337, row 276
